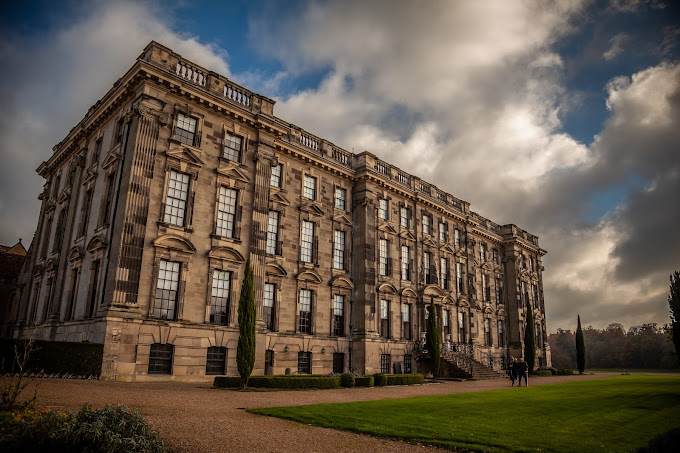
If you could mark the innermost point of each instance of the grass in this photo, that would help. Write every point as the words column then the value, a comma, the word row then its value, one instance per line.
column 634, row 370
column 615, row 414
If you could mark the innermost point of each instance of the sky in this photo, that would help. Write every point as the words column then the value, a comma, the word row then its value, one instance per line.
column 562, row 117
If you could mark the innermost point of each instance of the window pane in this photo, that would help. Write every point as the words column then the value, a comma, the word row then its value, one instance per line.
column 232, row 147
column 268, row 305
column 276, row 176
column 340, row 198
column 339, row 250
column 383, row 257
column 175, row 204
column 219, row 303
column 307, row 241
column 305, row 311
column 404, row 217
column 186, row 129
column 160, row 358
column 309, row 187
column 382, row 211
column 272, row 232
column 226, row 212
column 216, row 360
column 166, row 290
column 405, row 263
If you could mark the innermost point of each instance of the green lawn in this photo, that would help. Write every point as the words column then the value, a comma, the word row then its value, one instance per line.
column 615, row 414
column 634, row 370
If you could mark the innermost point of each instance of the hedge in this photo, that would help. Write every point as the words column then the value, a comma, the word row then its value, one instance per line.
column 379, row 379
column 542, row 373
column 565, row 372
column 281, row 382
column 347, row 380
column 51, row 357
column 404, row 379
column 364, row 381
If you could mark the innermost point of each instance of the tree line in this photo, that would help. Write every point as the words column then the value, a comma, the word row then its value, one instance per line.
column 644, row 346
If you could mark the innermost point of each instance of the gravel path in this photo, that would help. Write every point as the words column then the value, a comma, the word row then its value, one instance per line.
column 197, row 418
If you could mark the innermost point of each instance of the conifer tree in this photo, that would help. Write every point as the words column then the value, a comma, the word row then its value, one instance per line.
column 530, row 340
column 245, row 350
column 432, row 342
column 674, row 303
column 580, row 348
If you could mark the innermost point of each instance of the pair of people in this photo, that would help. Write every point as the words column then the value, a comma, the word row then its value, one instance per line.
column 518, row 369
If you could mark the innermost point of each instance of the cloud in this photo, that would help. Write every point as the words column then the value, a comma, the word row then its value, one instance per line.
column 616, row 46
column 53, row 81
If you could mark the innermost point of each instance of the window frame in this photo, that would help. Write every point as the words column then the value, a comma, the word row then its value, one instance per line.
column 227, row 155
column 168, row 216
column 307, row 245
column 343, row 198
column 269, row 317
column 219, row 357
column 304, row 362
column 224, row 217
column 161, row 364
column 308, row 190
column 181, row 138
column 225, row 315
column 383, row 209
column 305, row 320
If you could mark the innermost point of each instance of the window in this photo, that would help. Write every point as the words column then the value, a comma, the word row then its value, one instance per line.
column 499, row 291
column 219, row 301
column 97, row 151
column 75, row 275
column 487, row 332
column 382, row 209
column 309, row 187
column 59, row 233
column 268, row 305
column 305, row 321
column 307, row 241
column 405, row 268
column 482, row 251
column 461, row 327
column 445, row 322
column 109, row 198
column 119, row 130
column 495, row 256
column 339, row 250
column 383, row 257
column 85, row 212
column 444, row 272
column 442, row 231
column 340, row 198
column 273, row 233
column 459, row 277
column 46, row 235
column 403, row 215
column 232, row 147
column 338, row 315
column 427, row 262
column 216, row 360
column 166, row 290
column 275, row 180
column 94, row 275
column 160, row 358
column 176, row 200
column 304, row 362
column 501, row 337
column 523, row 296
column 385, row 363
column 57, row 183
column 456, row 237
column 185, row 130
column 406, row 321
column 531, row 263
column 407, row 363
column 534, row 295
column 486, row 289
column 226, row 212
column 427, row 224
column 384, row 318
column 338, row 362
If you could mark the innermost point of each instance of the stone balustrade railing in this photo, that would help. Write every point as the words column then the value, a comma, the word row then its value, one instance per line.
column 191, row 73
column 310, row 141
column 237, row 94
column 341, row 156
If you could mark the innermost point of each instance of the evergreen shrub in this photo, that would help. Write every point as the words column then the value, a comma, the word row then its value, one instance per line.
column 347, row 380
column 379, row 380
column 405, row 379
column 364, row 381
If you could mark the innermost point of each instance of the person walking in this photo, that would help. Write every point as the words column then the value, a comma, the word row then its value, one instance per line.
column 511, row 370
column 522, row 369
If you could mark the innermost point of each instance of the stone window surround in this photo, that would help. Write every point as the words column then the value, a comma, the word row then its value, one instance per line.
column 189, row 211
column 217, row 264
column 235, row 130
column 198, row 133
column 347, row 294
column 171, row 255
column 309, row 286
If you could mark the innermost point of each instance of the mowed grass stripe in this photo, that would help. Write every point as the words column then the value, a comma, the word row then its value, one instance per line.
column 614, row 414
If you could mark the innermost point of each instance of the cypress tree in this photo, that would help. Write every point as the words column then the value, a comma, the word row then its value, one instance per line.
column 530, row 340
column 432, row 342
column 245, row 350
column 580, row 348
column 674, row 302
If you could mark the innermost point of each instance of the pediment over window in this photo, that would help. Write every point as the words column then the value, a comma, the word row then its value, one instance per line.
column 408, row 292
column 90, row 177
column 174, row 242
column 231, row 171
column 463, row 303
column 386, row 227
column 76, row 253
column 488, row 310
column 534, row 277
column 523, row 273
column 96, row 243
column 111, row 160
column 448, row 300
column 312, row 208
column 429, row 241
column 387, row 288
column 448, row 248
column 342, row 282
column 407, row 235
column 64, row 197
column 486, row 267
column 310, row 276
column 432, row 290
column 278, row 198
column 50, row 264
column 275, row 269
column 501, row 312
column 185, row 155
column 226, row 254
column 38, row 269
column 342, row 218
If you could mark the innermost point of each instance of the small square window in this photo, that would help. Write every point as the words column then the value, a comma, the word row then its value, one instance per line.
column 216, row 361
column 160, row 358
column 385, row 363
column 304, row 362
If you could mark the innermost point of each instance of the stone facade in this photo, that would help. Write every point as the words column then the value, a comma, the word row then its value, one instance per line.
column 156, row 198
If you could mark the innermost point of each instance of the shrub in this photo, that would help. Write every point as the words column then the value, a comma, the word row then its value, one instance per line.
column 364, row 381
column 227, row 381
column 111, row 429
column 567, row 372
column 542, row 373
column 379, row 379
column 281, row 382
column 404, row 379
column 347, row 380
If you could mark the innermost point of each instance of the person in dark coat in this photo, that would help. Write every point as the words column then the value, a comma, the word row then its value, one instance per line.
column 522, row 369
column 511, row 371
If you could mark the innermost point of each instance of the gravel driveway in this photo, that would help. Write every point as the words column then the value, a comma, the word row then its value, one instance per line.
column 197, row 418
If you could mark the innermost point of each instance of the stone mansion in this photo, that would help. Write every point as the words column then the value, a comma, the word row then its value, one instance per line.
column 156, row 198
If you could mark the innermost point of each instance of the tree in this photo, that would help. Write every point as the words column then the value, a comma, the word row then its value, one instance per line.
column 245, row 350
column 674, row 302
column 432, row 343
column 530, row 340
column 580, row 348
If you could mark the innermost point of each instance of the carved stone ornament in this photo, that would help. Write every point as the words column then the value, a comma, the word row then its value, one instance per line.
column 153, row 114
